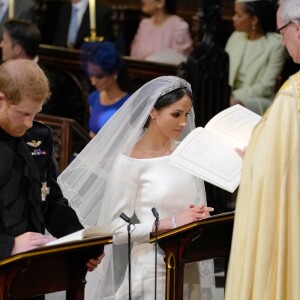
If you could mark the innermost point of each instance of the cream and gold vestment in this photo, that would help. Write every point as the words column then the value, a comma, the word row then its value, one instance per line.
column 265, row 253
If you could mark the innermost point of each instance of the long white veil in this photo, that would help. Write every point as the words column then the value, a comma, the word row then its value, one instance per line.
column 84, row 182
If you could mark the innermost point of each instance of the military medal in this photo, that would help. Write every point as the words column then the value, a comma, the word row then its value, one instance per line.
column 45, row 190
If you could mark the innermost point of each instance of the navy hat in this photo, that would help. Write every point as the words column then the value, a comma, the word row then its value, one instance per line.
column 102, row 54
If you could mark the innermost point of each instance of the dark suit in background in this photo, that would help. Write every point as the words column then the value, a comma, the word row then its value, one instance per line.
column 103, row 24
column 24, row 9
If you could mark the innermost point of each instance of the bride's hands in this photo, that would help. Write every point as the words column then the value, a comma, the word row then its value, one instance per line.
column 193, row 213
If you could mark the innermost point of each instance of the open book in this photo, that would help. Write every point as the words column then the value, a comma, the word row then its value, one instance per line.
column 210, row 152
column 90, row 232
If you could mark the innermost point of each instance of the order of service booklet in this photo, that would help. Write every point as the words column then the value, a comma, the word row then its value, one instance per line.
column 210, row 152
column 89, row 232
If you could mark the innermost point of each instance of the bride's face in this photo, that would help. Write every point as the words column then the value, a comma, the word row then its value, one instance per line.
column 170, row 121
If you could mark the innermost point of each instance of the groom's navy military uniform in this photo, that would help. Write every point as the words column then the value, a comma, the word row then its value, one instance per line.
column 26, row 165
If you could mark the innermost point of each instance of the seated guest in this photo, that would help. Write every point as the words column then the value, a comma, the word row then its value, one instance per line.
column 21, row 39
column 104, row 66
column 65, row 36
column 256, row 55
column 163, row 36
column 22, row 10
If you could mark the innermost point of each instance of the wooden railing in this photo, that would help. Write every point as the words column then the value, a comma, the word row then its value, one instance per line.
column 139, row 71
column 69, row 138
column 70, row 60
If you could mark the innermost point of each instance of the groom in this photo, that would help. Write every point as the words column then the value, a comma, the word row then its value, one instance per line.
column 30, row 198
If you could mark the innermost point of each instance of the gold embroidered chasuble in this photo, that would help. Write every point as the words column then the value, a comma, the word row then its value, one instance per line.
column 265, row 253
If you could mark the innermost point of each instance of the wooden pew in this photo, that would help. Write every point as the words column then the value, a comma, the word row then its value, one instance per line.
column 70, row 60
column 139, row 71
column 59, row 56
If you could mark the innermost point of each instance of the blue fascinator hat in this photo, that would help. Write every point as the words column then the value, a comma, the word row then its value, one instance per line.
column 101, row 54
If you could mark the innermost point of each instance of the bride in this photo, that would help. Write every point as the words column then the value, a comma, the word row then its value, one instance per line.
column 125, row 169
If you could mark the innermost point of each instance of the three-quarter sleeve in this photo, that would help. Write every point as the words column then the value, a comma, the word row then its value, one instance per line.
column 125, row 187
column 181, row 41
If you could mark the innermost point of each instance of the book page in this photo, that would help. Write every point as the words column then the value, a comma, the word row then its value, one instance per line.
column 97, row 231
column 210, row 152
column 234, row 124
column 75, row 236
column 214, row 160
column 89, row 232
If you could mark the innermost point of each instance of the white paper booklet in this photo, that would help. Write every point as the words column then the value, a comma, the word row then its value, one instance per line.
column 210, row 152
column 90, row 232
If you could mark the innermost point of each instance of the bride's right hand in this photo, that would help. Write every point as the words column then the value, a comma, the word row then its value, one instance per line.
column 193, row 213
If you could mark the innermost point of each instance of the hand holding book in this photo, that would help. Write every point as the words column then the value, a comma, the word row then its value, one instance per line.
column 210, row 152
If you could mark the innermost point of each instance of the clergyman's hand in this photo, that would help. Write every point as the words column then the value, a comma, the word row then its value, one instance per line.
column 30, row 240
column 234, row 101
column 241, row 152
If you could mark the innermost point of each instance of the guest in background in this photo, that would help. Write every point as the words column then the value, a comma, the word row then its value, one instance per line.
column 24, row 9
column 256, row 57
column 105, row 68
column 21, row 39
column 163, row 36
column 73, row 23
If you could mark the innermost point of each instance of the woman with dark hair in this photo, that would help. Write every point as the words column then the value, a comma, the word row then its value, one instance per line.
column 105, row 69
column 255, row 53
column 162, row 31
column 125, row 169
